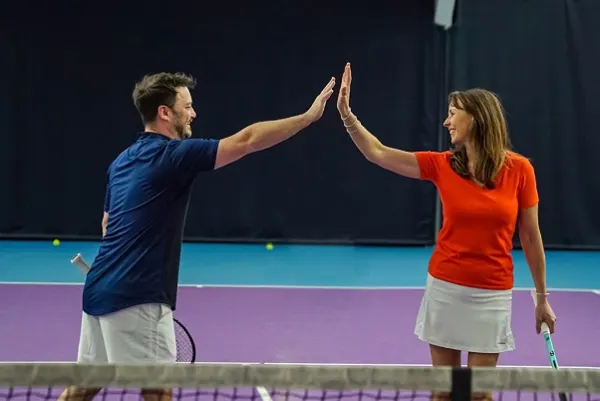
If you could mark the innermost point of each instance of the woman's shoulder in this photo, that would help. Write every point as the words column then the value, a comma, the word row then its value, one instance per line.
column 519, row 164
column 517, row 158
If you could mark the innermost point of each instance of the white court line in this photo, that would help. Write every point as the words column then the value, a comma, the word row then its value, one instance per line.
column 297, row 287
column 341, row 364
column 366, row 288
column 264, row 394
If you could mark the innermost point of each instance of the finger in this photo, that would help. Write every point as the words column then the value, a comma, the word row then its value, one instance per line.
column 341, row 92
column 349, row 74
column 327, row 95
column 348, row 81
column 538, row 325
column 328, row 87
column 344, row 91
column 550, row 323
column 346, row 77
column 328, row 90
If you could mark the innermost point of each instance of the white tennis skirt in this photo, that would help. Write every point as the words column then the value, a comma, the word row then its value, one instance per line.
column 466, row 319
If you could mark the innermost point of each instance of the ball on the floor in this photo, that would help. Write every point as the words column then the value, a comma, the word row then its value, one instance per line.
column 56, row 242
column 269, row 246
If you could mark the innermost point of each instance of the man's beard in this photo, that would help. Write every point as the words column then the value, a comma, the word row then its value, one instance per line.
column 184, row 131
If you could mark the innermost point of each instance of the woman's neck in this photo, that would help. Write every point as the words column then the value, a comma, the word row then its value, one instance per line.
column 471, row 158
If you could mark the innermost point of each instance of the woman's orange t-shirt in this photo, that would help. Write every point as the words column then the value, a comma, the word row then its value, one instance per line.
column 474, row 243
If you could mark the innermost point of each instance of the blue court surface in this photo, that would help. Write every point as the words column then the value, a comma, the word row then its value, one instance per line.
column 291, row 304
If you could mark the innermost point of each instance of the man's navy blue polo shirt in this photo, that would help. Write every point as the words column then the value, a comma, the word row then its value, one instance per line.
column 147, row 197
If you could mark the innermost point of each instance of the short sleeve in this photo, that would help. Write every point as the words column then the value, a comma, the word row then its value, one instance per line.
column 429, row 164
column 191, row 156
column 528, row 194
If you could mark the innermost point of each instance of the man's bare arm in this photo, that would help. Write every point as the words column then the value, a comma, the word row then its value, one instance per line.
column 104, row 223
column 265, row 134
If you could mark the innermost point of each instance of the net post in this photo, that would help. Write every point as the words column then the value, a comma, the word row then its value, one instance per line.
column 461, row 384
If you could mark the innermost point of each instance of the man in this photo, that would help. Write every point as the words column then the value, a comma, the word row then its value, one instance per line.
column 131, row 290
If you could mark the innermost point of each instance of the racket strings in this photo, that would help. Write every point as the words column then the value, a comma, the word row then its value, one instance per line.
column 186, row 348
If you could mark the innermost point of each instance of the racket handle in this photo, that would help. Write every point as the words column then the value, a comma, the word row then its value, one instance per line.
column 545, row 329
column 78, row 261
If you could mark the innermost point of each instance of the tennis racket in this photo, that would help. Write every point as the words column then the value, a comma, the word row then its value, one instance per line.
column 186, row 347
column 549, row 346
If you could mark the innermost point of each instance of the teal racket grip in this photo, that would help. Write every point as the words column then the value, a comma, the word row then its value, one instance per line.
column 549, row 346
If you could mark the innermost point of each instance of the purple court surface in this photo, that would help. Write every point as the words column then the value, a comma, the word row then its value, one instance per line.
column 232, row 324
column 334, row 326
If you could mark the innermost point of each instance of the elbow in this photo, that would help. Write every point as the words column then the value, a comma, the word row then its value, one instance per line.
column 248, row 142
column 374, row 153
column 371, row 157
column 529, row 237
column 524, row 239
column 524, row 236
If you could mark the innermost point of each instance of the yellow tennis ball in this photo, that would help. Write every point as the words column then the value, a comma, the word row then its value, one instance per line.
column 269, row 246
column 56, row 242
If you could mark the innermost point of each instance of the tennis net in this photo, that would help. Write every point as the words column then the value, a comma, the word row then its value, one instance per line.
column 285, row 382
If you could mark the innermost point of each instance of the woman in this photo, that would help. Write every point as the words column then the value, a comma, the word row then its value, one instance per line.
column 485, row 190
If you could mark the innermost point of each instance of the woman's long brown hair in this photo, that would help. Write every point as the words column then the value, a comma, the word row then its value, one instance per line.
column 489, row 135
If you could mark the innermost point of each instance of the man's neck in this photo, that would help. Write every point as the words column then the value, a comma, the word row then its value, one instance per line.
column 159, row 130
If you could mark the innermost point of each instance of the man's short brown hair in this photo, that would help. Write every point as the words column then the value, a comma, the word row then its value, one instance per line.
column 157, row 90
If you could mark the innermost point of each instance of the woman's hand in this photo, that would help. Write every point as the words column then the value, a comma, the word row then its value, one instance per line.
column 544, row 314
column 343, row 102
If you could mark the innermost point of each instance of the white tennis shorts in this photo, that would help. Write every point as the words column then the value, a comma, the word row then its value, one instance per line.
column 140, row 334
column 465, row 319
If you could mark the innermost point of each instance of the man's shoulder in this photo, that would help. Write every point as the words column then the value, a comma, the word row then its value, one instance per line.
column 193, row 144
column 142, row 153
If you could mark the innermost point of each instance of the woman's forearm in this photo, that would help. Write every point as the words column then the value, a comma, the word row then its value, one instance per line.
column 533, row 249
column 366, row 142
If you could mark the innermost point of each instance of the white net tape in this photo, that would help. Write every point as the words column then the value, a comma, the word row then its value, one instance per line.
column 321, row 377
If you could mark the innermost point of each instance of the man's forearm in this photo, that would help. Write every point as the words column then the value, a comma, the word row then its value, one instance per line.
column 265, row 134
column 104, row 224
column 533, row 249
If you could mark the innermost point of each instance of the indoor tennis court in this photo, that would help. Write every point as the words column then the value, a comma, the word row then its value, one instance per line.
column 98, row 109
column 292, row 304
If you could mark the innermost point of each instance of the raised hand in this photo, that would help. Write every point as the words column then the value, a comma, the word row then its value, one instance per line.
column 343, row 102
column 318, row 107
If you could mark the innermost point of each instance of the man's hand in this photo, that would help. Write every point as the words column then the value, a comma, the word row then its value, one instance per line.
column 318, row 107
